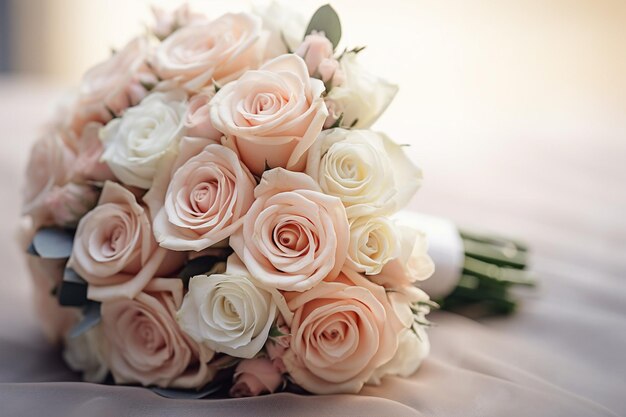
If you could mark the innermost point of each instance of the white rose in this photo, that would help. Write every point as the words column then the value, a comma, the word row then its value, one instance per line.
column 285, row 25
column 365, row 169
column 362, row 98
column 411, row 306
column 373, row 243
column 230, row 312
column 82, row 354
column 412, row 263
column 413, row 348
column 135, row 143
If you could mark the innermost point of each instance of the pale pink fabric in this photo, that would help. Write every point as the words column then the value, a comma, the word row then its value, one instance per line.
column 562, row 354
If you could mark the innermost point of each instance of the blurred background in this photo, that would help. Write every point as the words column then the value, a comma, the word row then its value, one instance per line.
column 512, row 107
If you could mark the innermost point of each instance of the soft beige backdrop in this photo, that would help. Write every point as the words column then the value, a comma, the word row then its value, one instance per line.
column 516, row 110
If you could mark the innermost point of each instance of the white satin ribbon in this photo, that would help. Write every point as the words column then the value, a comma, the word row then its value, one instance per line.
column 445, row 247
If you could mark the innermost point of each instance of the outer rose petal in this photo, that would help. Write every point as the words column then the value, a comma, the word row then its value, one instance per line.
column 271, row 116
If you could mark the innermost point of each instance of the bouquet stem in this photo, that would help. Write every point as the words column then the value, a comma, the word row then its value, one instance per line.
column 492, row 266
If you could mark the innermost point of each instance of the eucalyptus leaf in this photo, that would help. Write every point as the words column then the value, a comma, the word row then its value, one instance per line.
column 73, row 289
column 180, row 394
column 197, row 266
column 91, row 317
column 326, row 20
column 52, row 243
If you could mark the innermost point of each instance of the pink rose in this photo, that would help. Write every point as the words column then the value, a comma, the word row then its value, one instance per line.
column 220, row 50
column 197, row 119
column 169, row 21
column 271, row 116
column 203, row 200
column 54, row 319
column 342, row 331
column 50, row 165
column 254, row 377
column 330, row 72
column 314, row 49
column 69, row 203
column 113, row 85
column 114, row 249
column 293, row 236
column 144, row 343
column 88, row 165
column 276, row 346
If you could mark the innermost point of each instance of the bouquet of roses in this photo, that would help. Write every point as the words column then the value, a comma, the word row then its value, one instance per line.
column 210, row 212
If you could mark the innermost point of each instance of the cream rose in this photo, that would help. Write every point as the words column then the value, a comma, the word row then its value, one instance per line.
column 135, row 143
column 342, row 332
column 285, row 26
column 293, row 236
column 143, row 343
column 83, row 354
column 113, row 85
column 412, row 263
column 413, row 348
column 217, row 51
column 271, row 116
column 230, row 312
column 205, row 200
column 365, row 169
column 373, row 243
column 50, row 166
column 362, row 97
column 114, row 249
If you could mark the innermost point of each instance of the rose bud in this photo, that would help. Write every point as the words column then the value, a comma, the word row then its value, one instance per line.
column 314, row 49
column 254, row 377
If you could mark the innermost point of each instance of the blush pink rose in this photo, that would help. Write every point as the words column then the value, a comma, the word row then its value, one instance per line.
column 144, row 343
column 218, row 51
column 114, row 249
column 293, row 236
column 54, row 319
column 88, row 165
column 69, row 203
column 342, row 331
column 276, row 346
column 50, row 165
column 330, row 72
column 314, row 49
column 203, row 201
column 255, row 377
column 113, row 85
column 198, row 120
column 271, row 116
column 169, row 21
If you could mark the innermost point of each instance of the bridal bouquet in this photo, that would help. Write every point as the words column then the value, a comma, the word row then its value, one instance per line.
column 210, row 213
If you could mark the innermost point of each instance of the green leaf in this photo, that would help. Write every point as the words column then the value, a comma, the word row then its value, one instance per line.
column 52, row 243
column 72, row 290
column 275, row 332
column 198, row 266
column 326, row 20
column 91, row 317
column 190, row 394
